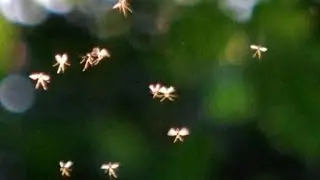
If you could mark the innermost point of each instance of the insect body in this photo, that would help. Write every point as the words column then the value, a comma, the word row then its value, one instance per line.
column 178, row 133
column 167, row 93
column 42, row 79
column 110, row 168
column 62, row 61
column 258, row 50
column 99, row 54
column 65, row 168
column 123, row 6
column 94, row 57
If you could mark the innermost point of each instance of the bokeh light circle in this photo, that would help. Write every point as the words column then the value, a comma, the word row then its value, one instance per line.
column 16, row 93
column 57, row 6
column 25, row 12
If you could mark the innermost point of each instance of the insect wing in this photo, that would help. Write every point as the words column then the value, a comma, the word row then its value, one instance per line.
column 34, row 76
column 172, row 132
column 64, row 58
column 184, row 132
column 68, row 164
column 157, row 87
column 45, row 77
column 104, row 52
column 154, row 88
column 115, row 165
column 58, row 58
column 61, row 58
column 170, row 89
column 61, row 164
column 116, row 5
column 105, row 166
column 254, row 47
column 163, row 90
column 95, row 51
column 263, row 49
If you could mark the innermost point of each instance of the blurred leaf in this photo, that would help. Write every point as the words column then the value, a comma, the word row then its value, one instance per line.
column 230, row 99
column 120, row 142
column 195, row 42
column 192, row 159
column 8, row 40
column 285, row 21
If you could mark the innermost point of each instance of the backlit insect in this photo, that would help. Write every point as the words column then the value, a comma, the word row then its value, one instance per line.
column 88, row 60
column 65, row 168
column 154, row 89
column 167, row 93
column 123, row 6
column 42, row 79
column 258, row 50
column 178, row 133
column 110, row 168
column 62, row 61
column 99, row 54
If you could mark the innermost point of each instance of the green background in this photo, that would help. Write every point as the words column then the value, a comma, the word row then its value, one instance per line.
column 249, row 119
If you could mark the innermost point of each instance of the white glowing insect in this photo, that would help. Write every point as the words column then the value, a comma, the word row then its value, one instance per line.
column 123, row 6
column 42, row 79
column 167, row 93
column 155, row 90
column 258, row 50
column 178, row 133
column 99, row 54
column 110, row 168
column 65, row 168
column 62, row 61
column 88, row 60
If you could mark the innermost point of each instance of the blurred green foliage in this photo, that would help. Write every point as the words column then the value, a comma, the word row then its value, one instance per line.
column 107, row 114
column 8, row 38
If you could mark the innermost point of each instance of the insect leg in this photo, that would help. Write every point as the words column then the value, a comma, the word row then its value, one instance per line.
column 96, row 62
column 259, row 54
column 113, row 173
column 255, row 54
column 44, row 85
column 83, row 59
column 164, row 97
column 85, row 66
column 38, row 84
column 59, row 69
column 180, row 138
column 154, row 95
column 176, row 138
column 129, row 9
